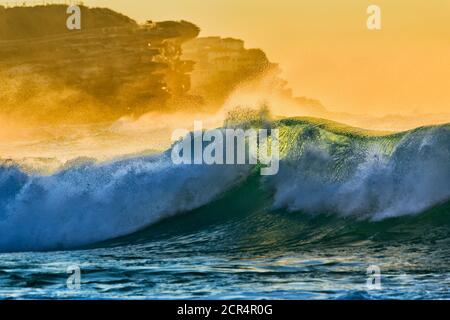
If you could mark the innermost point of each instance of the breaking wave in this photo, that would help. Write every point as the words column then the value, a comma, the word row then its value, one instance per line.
column 324, row 168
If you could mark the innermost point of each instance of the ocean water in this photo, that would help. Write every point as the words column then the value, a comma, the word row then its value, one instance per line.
column 143, row 228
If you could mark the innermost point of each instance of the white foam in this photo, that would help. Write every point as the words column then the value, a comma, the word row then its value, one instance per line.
column 90, row 203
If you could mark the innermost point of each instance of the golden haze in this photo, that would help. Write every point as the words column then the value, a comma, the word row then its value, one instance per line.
column 326, row 51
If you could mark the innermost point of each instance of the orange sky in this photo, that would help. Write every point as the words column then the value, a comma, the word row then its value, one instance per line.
column 326, row 51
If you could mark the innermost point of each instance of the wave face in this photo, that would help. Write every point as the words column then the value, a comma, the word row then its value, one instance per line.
column 323, row 169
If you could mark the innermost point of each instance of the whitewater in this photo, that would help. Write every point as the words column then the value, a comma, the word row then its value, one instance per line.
column 325, row 168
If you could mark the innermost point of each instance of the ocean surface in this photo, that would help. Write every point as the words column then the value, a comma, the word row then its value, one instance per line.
column 344, row 200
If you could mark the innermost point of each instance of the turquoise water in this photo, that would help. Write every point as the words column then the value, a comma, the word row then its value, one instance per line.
column 143, row 228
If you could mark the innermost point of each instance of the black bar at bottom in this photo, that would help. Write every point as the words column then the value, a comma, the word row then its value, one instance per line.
column 245, row 309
